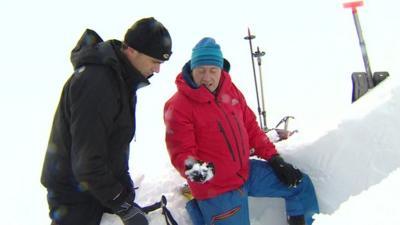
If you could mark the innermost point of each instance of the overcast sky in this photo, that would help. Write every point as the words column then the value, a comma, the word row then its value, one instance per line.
column 310, row 42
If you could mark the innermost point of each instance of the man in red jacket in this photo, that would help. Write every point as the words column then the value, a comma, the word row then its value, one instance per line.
column 210, row 131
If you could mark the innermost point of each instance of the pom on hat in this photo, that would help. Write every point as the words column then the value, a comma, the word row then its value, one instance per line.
column 150, row 37
column 206, row 52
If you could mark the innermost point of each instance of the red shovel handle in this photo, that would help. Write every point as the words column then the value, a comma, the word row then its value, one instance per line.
column 353, row 5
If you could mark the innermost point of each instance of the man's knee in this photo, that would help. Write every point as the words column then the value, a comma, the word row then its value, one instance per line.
column 306, row 183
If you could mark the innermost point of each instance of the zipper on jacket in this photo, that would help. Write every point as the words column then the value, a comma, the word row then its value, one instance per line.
column 226, row 140
column 233, row 133
column 241, row 177
column 240, row 131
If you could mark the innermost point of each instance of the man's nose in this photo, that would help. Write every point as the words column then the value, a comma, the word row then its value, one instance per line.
column 157, row 68
column 206, row 77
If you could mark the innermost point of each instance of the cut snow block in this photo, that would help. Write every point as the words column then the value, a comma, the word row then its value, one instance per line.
column 379, row 76
column 360, row 85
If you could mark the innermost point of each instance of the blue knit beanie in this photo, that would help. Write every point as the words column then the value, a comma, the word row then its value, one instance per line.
column 206, row 52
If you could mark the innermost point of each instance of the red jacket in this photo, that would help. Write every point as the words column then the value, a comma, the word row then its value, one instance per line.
column 220, row 129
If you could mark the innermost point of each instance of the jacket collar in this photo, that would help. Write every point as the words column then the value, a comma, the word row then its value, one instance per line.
column 133, row 78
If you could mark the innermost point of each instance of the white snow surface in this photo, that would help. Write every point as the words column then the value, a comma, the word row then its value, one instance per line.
column 355, row 168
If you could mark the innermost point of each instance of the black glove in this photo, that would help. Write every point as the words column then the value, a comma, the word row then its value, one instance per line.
column 285, row 172
column 129, row 212
column 198, row 171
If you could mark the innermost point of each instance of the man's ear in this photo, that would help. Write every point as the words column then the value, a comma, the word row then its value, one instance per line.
column 130, row 51
column 226, row 65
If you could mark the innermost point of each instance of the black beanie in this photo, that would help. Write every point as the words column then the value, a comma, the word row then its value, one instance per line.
column 150, row 37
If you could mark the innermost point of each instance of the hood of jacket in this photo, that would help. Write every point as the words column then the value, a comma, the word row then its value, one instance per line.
column 91, row 49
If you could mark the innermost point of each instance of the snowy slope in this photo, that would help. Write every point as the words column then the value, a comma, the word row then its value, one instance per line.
column 344, row 162
column 375, row 206
column 361, row 151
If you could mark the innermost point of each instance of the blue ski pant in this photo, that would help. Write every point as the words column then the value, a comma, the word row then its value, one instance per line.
column 231, row 208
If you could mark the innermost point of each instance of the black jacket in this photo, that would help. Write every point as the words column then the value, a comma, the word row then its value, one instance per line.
column 88, row 149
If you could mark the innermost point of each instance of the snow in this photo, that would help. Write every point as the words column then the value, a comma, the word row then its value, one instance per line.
column 349, row 150
column 374, row 206
column 355, row 168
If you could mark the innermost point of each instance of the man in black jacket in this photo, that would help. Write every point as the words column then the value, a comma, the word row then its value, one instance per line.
column 86, row 169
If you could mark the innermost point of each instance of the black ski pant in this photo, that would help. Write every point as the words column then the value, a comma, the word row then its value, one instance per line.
column 72, row 208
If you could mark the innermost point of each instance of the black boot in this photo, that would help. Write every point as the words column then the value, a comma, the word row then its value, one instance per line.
column 296, row 220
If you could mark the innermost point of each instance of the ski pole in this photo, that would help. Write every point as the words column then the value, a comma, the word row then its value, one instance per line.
column 169, row 219
column 152, row 207
column 250, row 37
column 353, row 6
column 258, row 55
